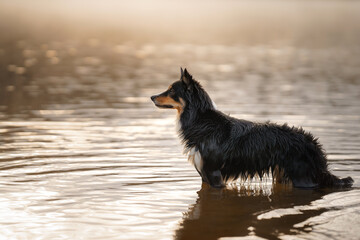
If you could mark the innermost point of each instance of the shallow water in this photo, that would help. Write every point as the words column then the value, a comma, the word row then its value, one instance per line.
column 86, row 155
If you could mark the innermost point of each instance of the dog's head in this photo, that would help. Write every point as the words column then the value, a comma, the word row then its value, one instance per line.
column 183, row 93
column 178, row 94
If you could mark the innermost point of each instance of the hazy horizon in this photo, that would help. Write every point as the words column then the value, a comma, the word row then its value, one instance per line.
column 230, row 22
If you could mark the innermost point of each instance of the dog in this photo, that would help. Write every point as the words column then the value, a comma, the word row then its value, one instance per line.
column 223, row 148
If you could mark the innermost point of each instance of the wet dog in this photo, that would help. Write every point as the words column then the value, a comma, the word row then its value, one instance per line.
column 224, row 148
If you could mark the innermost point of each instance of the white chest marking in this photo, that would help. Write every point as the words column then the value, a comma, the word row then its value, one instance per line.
column 196, row 159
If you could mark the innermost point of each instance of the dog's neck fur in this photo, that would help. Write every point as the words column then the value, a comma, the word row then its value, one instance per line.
column 198, row 103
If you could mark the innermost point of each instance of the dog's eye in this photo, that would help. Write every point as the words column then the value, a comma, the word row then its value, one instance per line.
column 172, row 91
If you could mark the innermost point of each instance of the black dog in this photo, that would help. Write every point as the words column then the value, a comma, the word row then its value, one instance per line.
column 224, row 148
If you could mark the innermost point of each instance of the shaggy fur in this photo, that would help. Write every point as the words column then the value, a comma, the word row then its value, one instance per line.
column 224, row 148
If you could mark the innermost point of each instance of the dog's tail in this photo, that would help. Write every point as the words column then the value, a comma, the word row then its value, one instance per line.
column 329, row 180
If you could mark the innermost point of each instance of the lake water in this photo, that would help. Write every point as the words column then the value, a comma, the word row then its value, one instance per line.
column 86, row 155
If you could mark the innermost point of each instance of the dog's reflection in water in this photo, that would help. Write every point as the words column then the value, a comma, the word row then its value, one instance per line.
column 234, row 211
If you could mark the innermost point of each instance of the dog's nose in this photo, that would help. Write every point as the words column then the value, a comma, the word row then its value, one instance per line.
column 153, row 98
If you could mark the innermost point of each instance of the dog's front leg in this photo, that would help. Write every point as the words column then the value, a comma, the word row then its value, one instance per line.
column 214, row 178
column 203, row 176
column 212, row 160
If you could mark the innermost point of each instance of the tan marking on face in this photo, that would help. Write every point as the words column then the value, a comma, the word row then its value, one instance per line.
column 166, row 100
column 183, row 104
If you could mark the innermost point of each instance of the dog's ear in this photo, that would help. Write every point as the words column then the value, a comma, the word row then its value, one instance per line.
column 187, row 79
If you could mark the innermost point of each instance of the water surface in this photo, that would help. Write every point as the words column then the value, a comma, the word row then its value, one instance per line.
column 86, row 155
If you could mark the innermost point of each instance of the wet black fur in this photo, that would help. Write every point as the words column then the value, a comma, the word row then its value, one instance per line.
column 233, row 148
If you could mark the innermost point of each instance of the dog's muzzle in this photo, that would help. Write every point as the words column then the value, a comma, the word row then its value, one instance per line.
column 153, row 98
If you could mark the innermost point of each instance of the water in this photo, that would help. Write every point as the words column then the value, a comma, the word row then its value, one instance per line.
column 86, row 155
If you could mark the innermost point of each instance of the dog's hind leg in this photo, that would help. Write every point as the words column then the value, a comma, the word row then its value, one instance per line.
column 301, row 175
column 304, row 183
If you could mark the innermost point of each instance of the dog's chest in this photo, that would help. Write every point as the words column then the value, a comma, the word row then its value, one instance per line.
column 195, row 158
column 194, row 155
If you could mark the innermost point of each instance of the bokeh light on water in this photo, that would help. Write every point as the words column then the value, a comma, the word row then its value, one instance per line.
column 86, row 155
